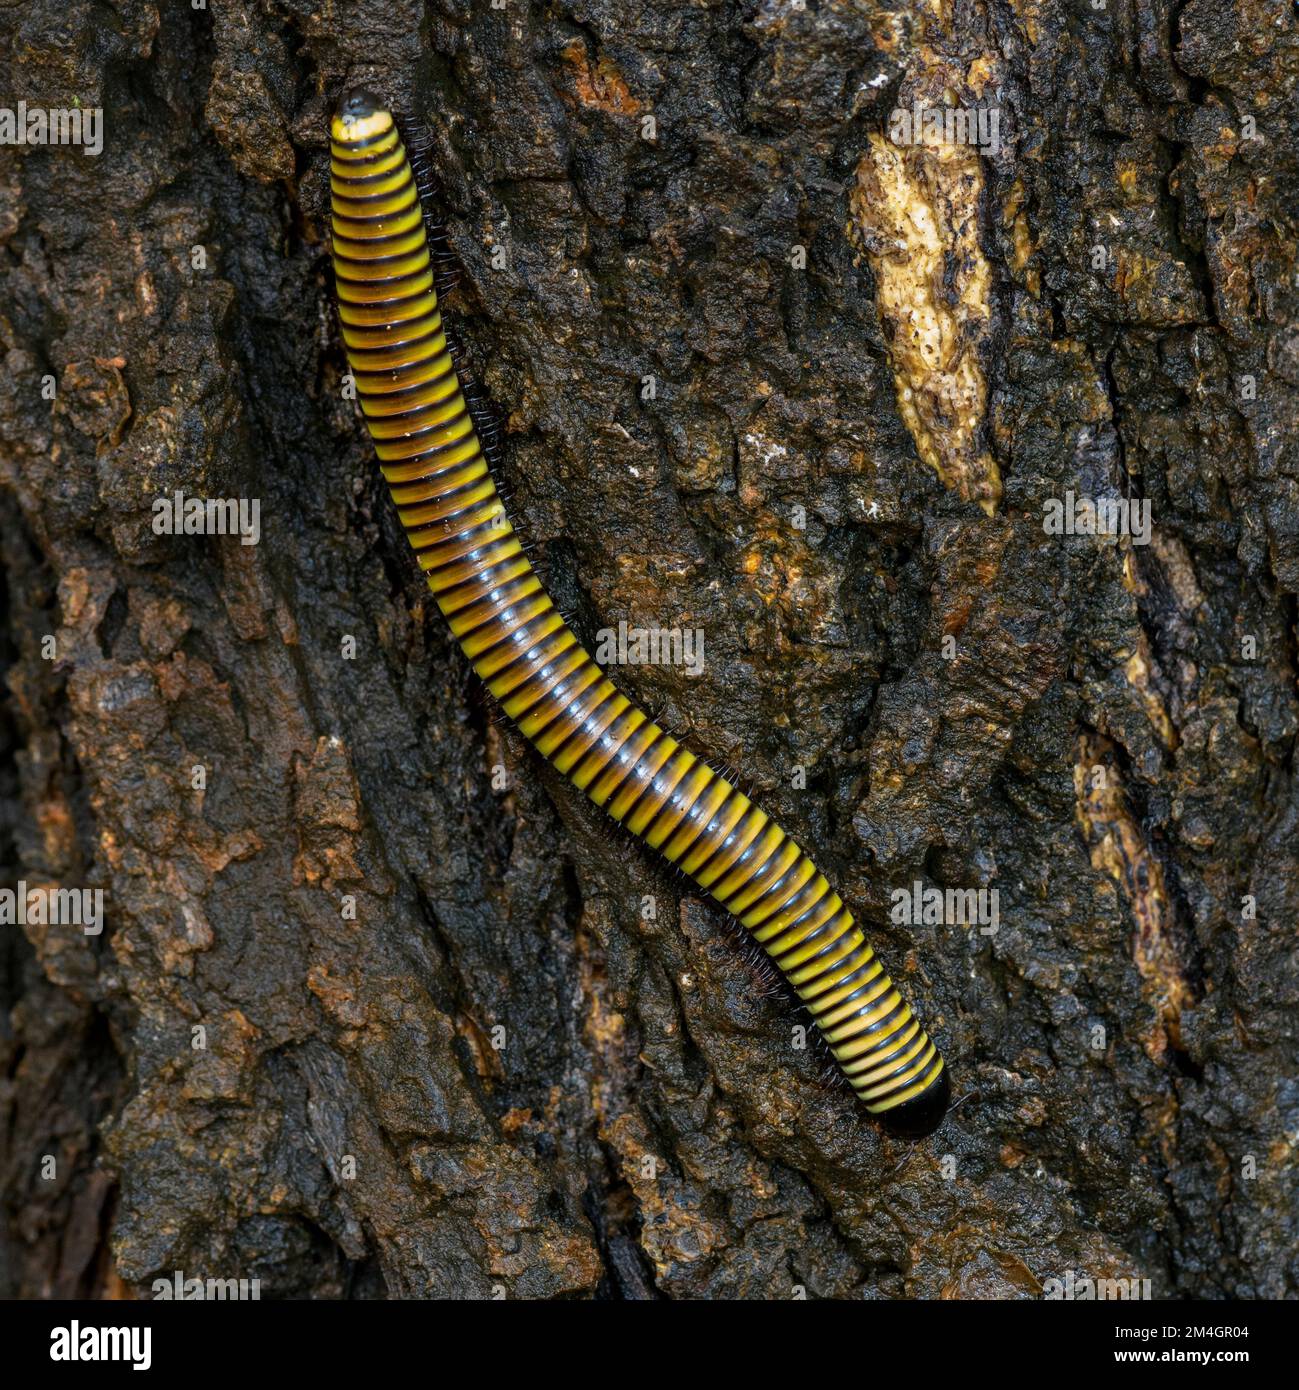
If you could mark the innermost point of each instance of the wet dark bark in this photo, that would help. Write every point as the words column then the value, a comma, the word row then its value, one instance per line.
column 1122, row 1046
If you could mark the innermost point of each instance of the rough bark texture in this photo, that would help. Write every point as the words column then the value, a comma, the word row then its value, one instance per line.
column 1122, row 1048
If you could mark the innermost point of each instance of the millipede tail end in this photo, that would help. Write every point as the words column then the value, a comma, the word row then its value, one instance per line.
column 921, row 1115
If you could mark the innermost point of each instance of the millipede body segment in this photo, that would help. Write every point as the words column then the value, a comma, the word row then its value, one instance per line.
column 533, row 663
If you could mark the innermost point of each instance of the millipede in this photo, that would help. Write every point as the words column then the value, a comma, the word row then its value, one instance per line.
column 432, row 458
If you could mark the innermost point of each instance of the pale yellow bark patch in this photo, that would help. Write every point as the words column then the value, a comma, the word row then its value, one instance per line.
column 914, row 213
column 1119, row 850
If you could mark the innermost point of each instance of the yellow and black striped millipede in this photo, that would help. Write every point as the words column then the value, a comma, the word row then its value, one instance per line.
column 534, row 665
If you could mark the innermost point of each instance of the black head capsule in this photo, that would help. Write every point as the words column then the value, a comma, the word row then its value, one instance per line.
column 357, row 104
column 922, row 1114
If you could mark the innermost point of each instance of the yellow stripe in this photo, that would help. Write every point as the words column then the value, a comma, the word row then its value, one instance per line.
column 690, row 833
column 819, row 964
column 373, row 187
column 634, row 787
column 911, row 1040
column 700, row 774
column 801, row 943
column 398, row 224
column 343, row 166
column 915, row 1070
column 706, row 846
column 852, row 1019
column 359, row 250
column 345, row 141
column 378, row 290
column 553, row 732
column 786, row 856
column 721, row 867
column 655, row 802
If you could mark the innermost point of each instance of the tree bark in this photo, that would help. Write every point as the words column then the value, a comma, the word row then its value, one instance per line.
column 381, row 1006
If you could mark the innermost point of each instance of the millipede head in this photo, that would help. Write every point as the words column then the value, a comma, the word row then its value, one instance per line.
column 358, row 104
column 360, row 116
